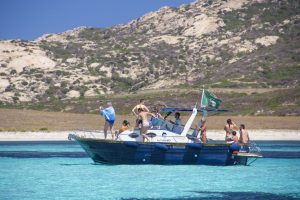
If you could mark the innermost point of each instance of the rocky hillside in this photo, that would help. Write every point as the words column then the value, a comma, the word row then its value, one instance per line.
column 211, row 43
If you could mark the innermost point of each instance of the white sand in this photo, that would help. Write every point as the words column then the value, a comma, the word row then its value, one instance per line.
column 211, row 134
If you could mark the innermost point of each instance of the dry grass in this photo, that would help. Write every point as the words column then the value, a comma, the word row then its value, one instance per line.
column 29, row 120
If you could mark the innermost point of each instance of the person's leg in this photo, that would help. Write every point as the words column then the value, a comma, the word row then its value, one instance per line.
column 137, row 123
column 144, row 132
column 111, row 127
column 106, row 125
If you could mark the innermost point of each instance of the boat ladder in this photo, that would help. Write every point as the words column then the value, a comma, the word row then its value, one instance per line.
column 254, row 149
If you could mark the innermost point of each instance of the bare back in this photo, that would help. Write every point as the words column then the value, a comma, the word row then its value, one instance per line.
column 244, row 136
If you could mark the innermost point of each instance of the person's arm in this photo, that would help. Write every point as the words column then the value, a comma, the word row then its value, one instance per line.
column 145, row 108
column 159, row 116
column 148, row 113
column 133, row 111
column 101, row 110
column 234, row 125
column 203, row 127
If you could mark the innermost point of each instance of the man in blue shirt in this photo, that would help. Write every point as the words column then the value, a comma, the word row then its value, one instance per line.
column 110, row 117
column 177, row 119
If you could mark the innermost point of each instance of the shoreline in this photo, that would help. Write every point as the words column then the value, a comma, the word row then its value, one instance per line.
column 255, row 135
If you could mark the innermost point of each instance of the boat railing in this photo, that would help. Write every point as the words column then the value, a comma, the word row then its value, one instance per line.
column 96, row 134
column 84, row 133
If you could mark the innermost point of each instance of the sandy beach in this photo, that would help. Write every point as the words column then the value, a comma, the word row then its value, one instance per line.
column 255, row 135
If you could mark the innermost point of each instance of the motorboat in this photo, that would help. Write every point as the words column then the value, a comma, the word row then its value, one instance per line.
column 168, row 144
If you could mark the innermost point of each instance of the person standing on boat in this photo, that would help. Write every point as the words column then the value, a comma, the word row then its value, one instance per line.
column 202, row 129
column 110, row 117
column 142, row 115
column 229, row 127
column 244, row 136
column 135, row 110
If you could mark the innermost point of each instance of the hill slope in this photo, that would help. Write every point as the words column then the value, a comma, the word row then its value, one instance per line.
column 234, row 43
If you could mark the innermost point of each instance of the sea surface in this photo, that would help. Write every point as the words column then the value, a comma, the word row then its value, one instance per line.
column 62, row 170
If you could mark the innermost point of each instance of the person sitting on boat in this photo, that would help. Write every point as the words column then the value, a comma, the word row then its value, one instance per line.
column 142, row 115
column 175, row 125
column 229, row 127
column 135, row 110
column 177, row 119
column 125, row 126
column 110, row 116
column 244, row 136
column 235, row 138
column 234, row 147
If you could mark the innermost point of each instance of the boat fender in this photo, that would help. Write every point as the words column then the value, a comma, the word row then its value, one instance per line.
column 161, row 146
column 234, row 147
column 131, row 144
column 194, row 145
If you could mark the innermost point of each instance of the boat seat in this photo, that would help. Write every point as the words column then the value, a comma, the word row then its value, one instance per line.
column 194, row 139
column 157, row 122
column 195, row 133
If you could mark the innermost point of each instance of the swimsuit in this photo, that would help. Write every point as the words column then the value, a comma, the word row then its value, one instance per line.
column 111, row 122
column 145, row 123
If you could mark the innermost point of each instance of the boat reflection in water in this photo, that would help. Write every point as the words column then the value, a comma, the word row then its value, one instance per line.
column 168, row 145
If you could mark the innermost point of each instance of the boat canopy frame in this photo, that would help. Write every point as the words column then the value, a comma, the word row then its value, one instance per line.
column 170, row 110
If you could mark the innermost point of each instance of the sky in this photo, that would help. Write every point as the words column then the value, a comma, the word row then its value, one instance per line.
column 30, row 19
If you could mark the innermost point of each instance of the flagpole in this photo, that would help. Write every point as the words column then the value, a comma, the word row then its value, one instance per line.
column 202, row 98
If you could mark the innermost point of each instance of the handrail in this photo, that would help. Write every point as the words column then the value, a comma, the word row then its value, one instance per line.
column 95, row 134
column 253, row 148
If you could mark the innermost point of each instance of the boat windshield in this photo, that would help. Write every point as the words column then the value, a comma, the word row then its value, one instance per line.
column 160, row 124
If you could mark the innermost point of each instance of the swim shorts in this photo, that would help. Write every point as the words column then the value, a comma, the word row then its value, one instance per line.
column 111, row 122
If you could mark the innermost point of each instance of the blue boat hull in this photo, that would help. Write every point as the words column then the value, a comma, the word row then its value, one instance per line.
column 117, row 152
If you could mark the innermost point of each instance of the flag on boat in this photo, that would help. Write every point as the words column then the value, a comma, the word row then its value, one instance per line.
column 210, row 100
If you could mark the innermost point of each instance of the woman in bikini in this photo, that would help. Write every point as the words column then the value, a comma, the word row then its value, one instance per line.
column 135, row 111
column 142, row 115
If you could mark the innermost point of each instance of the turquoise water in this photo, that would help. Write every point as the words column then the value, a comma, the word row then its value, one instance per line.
column 62, row 171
